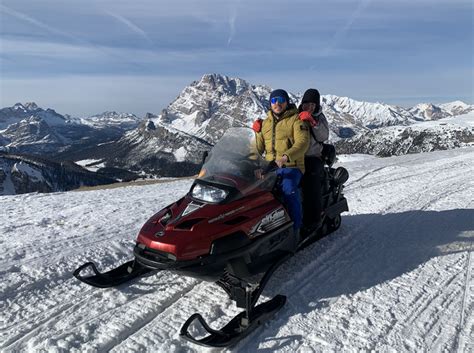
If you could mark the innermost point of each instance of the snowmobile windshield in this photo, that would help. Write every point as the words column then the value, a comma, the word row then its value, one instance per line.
column 235, row 162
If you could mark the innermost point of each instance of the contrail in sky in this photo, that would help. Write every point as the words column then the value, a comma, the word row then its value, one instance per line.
column 131, row 26
column 37, row 23
column 232, row 18
column 339, row 35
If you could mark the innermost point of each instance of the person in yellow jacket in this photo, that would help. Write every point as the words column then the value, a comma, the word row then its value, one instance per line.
column 284, row 138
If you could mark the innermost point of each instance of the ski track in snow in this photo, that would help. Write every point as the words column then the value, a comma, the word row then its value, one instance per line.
column 397, row 276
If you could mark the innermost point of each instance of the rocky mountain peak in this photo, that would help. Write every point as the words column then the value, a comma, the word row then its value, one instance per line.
column 31, row 106
column 206, row 108
column 28, row 106
column 222, row 83
column 427, row 111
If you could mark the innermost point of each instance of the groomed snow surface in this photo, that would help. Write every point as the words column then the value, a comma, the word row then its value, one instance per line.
column 397, row 276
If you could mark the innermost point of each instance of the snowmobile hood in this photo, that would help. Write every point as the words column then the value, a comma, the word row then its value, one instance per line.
column 187, row 229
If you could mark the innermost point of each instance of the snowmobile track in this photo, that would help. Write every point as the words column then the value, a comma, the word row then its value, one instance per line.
column 467, row 302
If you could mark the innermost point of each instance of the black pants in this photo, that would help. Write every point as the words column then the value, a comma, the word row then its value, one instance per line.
column 312, row 198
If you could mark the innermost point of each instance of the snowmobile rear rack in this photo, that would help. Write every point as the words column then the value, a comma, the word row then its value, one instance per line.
column 246, row 296
column 112, row 278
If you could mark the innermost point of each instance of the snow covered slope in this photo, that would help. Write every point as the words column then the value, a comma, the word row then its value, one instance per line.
column 397, row 276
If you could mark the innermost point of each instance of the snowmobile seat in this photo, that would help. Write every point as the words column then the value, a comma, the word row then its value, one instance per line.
column 328, row 154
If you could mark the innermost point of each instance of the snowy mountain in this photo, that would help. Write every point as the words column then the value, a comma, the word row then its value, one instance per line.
column 21, row 174
column 124, row 121
column 18, row 112
column 154, row 148
column 27, row 128
column 457, row 108
column 348, row 117
column 208, row 107
column 398, row 276
column 34, row 135
column 428, row 111
column 173, row 141
column 443, row 134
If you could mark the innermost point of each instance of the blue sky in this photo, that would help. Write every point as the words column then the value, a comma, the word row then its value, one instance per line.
column 85, row 57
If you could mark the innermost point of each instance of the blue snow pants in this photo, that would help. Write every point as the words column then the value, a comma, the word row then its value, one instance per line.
column 290, row 179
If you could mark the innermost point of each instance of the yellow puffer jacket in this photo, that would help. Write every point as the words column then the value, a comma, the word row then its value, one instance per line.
column 287, row 135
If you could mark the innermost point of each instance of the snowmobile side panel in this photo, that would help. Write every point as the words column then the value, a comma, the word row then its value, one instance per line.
column 119, row 275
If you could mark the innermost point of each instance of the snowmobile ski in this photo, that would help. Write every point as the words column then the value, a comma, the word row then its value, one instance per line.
column 245, row 295
column 238, row 328
column 124, row 273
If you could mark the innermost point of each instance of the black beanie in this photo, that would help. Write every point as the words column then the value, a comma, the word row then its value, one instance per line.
column 312, row 96
column 280, row 93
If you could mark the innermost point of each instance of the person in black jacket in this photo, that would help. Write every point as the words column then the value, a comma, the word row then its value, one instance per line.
column 311, row 112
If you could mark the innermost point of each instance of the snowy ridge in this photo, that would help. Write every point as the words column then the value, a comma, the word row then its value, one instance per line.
column 30, row 129
column 109, row 119
column 426, row 136
column 173, row 141
column 33, row 135
column 24, row 174
column 397, row 275
column 428, row 111
column 20, row 112
column 457, row 107
column 156, row 148
column 370, row 115
column 206, row 108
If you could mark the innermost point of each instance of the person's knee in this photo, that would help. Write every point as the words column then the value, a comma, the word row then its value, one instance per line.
column 289, row 188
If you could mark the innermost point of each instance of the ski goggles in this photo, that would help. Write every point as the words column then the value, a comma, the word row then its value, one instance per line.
column 280, row 100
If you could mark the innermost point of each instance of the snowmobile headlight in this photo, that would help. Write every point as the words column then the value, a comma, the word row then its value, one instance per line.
column 208, row 193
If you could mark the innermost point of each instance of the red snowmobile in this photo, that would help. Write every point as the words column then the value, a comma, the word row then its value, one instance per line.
column 231, row 228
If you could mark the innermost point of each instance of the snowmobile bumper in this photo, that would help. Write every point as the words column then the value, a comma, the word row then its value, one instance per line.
column 211, row 267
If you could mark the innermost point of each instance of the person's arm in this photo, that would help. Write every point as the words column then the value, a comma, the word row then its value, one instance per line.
column 301, row 145
column 260, row 142
column 321, row 130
